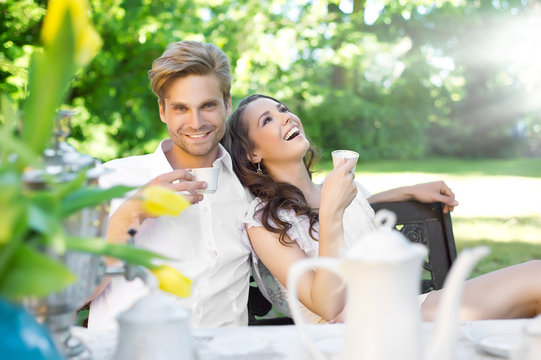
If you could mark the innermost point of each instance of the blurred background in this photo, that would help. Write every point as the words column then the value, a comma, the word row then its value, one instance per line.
column 390, row 79
column 421, row 89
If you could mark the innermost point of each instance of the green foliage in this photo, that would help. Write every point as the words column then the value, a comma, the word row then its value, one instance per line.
column 502, row 254
column 424, row 77
column 32, row 232
column 522, row 167
column 19, row 30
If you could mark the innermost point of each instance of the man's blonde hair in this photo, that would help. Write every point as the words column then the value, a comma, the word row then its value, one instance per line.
column 185, row 58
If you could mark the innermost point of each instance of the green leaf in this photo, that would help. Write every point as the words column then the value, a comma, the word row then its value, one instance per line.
column 89, row 196
column 62, row 190
column 11, row 216
column 11, row 204
column 17, row 236
column 43, row 217
column 98, row 246
column 51, row 71
column 33, row 274
column 9, row 114
column 42, row 212
column 11, row 144
column 7, row 125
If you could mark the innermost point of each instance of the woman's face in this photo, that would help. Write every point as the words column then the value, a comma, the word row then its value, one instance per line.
column 277, row 133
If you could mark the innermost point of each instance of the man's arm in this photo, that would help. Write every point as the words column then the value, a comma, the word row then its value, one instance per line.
column 426, row 192
column 131, row 214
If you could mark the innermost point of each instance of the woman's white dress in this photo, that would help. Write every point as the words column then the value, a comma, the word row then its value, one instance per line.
column 357, row 222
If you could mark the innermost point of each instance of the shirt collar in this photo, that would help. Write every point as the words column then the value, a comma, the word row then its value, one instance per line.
column 160, row 164
column 224, row 158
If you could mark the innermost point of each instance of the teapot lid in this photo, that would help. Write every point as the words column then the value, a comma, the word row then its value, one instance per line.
column 155, row 308
column 385, row 243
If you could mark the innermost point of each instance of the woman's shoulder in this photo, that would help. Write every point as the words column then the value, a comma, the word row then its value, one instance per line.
column 253, row 212
column 252, row 217
column 298, row 232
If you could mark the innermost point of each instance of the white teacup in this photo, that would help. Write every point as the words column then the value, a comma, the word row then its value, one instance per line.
column 338, row 155
column 209, row 175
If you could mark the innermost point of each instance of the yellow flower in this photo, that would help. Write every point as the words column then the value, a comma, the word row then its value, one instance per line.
column 158, row 201
column 87, row 40
column 172, row 281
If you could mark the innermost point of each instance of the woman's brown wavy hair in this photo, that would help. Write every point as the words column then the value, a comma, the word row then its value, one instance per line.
column 274, row 195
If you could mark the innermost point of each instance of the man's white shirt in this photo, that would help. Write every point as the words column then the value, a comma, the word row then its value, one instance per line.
column 204, row 242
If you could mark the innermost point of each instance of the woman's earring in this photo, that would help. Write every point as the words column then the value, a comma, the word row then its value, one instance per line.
column 259, row 171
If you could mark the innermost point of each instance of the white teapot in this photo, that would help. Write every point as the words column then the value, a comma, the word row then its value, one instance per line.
column 155, row 328
column 383, row 319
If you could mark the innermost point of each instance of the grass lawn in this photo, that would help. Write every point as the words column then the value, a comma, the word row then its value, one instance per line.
column 500, row 201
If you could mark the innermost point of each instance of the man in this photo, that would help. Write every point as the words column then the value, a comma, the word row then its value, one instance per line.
column 192, row 82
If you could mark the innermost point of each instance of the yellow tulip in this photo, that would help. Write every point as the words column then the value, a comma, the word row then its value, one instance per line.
column 158, row 201
column 87, row 40
column 172, row 281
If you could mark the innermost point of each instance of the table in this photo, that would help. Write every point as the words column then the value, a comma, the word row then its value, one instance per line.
column 283, row 342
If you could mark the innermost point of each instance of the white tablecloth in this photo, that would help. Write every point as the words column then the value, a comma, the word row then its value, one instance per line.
column 283, row 342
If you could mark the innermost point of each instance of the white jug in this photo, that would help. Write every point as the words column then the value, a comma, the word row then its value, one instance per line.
column 383, row 320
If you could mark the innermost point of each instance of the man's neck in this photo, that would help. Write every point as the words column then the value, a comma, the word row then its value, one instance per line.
column 179, row 159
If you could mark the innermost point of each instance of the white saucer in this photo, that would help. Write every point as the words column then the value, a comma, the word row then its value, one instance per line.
column 499, row 344
column 232, row 344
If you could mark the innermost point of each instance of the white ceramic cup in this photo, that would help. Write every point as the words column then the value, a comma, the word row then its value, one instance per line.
column 338, row 155
column 209, row 175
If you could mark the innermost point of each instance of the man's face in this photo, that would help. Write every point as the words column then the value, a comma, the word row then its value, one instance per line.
column 195, row 114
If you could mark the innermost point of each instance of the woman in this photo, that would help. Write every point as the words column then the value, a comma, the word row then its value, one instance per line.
column 293, row 218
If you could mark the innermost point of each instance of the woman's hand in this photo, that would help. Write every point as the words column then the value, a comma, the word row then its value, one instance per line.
column 338, row 190
column 426, row 192
column 432, row 192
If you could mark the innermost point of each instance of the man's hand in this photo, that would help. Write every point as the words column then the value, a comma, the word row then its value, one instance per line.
column 181, row 180
column 131, row 213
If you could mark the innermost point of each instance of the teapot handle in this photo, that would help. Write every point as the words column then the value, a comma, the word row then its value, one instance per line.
column 295, row 272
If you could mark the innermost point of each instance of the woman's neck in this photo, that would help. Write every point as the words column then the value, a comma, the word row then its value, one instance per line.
column 297, row 175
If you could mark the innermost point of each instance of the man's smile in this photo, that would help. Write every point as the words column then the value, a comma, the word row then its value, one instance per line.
column 197, row 136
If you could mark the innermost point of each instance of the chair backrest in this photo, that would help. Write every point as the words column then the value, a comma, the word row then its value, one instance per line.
column 426, row 223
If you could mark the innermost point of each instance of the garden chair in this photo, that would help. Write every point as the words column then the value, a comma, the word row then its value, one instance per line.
column 423, row 223
column 426, row 223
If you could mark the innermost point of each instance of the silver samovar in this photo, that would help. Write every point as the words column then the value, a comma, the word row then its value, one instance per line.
column 58, row 311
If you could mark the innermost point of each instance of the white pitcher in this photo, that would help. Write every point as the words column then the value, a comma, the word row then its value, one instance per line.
column 383, row 319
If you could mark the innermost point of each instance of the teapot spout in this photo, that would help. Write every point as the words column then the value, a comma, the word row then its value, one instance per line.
column 442, row 345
